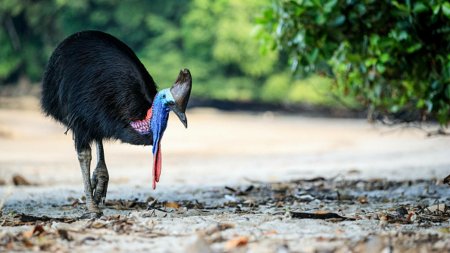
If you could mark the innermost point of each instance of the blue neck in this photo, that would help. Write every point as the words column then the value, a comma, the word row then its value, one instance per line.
column 158, row 122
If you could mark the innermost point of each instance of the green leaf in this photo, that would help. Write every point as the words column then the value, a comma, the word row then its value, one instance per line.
column 436, row 8
column 338, row 21
column 380, row 68
column 403, row 35
column 320, row 19
column 370, row 61
column 329, row 5
column 374, row 39
column 420, row 103
column 401, row 7
column 419, row 7
column 446, row 9
column 395, row 108
column 414, row 48
column 384, row 58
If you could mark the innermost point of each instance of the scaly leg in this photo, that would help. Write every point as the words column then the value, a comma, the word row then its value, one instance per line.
column 100, row 177
column 84, row 157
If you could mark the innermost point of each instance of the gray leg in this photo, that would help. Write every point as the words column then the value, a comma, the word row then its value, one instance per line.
column 84, row 157
column 100, row 177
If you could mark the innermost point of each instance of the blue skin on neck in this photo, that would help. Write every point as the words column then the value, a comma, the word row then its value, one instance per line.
column 160, row 116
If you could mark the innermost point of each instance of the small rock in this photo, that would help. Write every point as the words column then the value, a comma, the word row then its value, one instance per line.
column 20, row 180
column 306, row 197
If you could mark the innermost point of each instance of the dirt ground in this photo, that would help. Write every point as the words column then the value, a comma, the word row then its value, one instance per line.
column 231, row 182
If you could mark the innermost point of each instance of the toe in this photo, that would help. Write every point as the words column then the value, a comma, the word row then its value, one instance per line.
column 100, row 193
column 94, row 182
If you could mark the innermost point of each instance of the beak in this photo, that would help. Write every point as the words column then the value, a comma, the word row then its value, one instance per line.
column 181, row 91
column 181, row 115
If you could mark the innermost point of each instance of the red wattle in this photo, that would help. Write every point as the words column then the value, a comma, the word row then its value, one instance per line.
column 149, row 114
column 157, row 161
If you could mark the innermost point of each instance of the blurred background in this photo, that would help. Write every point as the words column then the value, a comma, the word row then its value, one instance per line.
column 384, row 60
column 385, row 57
column 219, row 41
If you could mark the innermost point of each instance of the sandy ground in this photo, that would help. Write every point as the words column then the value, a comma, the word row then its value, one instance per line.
column 225, row 149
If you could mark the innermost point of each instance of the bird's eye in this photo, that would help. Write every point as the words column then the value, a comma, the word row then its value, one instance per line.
column 164, row 96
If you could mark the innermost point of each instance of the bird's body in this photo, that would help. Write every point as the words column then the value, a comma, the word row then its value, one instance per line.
column 96, row 86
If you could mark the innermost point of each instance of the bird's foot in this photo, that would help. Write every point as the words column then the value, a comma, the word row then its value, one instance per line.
column 99, row 183
column 93, row 212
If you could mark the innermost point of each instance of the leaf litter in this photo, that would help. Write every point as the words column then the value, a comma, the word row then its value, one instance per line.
column 400, row 209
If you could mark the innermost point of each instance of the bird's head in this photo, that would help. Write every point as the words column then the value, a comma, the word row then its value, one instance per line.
column 175, row 99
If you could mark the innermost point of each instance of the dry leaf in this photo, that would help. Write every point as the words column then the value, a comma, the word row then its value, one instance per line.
column 37, row 230
column 236, row 242
column 363, row 200
column 411, row 217
column 172, row 205
column 217, row 228
column 98, row 224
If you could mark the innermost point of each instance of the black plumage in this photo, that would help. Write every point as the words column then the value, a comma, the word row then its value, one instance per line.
column 96, row 86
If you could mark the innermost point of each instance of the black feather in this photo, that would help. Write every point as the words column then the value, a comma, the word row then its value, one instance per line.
column 95, row 85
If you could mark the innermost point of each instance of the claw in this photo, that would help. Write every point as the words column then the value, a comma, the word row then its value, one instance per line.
column 100, row 192
column 102, row 201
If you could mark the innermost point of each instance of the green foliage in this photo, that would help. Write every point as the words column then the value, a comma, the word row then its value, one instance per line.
column 393, row 56
column 24, row 38
column 214, row 39
column 276, row 88
column 314, row 90
column 234, row 44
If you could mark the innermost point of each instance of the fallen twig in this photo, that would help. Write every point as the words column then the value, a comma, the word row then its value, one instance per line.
column 25, row 218
column 320, row 216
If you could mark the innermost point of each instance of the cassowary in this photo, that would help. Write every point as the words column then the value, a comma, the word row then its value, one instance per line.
column 96, row 86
